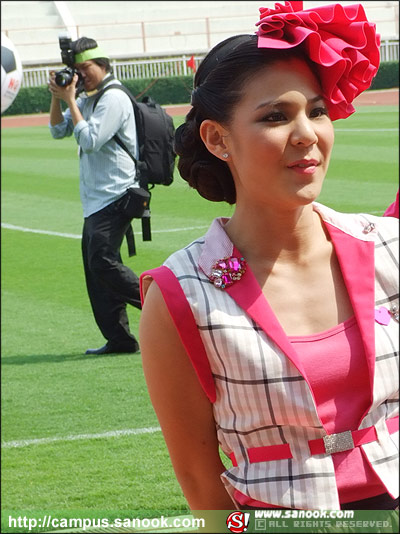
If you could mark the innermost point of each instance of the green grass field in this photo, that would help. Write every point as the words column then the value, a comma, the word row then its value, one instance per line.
column 99, row 450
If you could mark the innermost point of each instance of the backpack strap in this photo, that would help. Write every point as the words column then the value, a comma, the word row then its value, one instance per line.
column 185, row 323
column 130, row 241
column 126, row 91
column 130, row 238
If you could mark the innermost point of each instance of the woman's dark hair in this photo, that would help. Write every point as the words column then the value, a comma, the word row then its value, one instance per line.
column 218, row 87
column 85, row 43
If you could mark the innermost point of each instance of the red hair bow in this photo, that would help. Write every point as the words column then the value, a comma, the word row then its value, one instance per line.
column 338, row 39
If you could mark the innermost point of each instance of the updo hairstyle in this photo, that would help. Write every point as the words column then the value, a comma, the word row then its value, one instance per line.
column 218, row 86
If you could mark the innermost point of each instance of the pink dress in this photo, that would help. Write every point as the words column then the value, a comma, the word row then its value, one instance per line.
column 336, row 368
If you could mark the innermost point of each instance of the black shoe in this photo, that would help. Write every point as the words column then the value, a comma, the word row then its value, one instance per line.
column 109, row 349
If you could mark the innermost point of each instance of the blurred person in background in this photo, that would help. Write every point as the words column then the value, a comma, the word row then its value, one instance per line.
column 107, row 178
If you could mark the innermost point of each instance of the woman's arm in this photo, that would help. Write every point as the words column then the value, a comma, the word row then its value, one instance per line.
column 183, row 409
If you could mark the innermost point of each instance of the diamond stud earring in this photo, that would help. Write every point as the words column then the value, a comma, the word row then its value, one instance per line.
column 226, row 155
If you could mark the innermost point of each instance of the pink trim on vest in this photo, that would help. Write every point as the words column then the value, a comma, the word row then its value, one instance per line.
column 317, row 446
column 393, row 209
column 182, row 316
column 272, row 452
column 249, row 296
column 393, row 424
column 357, row 264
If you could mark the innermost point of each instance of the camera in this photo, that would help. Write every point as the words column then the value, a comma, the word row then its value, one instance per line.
column 64, row 77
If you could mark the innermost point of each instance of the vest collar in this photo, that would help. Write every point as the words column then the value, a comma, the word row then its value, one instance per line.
column 353, row 240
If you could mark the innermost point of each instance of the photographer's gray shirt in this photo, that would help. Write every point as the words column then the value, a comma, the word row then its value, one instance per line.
column 106, row 170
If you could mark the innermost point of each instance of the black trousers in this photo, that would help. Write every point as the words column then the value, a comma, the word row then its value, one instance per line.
column 110, row 283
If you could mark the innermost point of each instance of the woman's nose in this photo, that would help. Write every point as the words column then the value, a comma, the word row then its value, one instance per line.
column 304, row 131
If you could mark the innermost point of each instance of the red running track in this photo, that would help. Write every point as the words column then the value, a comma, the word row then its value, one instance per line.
column 388, row 97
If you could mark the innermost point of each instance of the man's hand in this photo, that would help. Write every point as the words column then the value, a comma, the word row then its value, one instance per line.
column 66, row 93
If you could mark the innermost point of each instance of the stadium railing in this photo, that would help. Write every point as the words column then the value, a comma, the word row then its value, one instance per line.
column 157, row 68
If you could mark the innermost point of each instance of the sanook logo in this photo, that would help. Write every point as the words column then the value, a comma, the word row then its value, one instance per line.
column 238, row 522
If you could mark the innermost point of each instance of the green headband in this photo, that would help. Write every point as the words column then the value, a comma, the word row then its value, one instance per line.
column 92, row 53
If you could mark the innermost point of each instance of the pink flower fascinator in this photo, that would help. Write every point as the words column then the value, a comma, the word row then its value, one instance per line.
column 340, row 41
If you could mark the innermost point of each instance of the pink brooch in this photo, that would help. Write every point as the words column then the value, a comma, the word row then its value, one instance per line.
column 383, row 315
column 227, row 271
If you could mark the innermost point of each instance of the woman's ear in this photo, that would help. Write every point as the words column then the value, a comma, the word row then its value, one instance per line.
column 213, row 135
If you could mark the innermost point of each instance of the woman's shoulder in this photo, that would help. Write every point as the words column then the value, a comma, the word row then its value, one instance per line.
column 181, row 262
column 360, row 225
column 186, row 257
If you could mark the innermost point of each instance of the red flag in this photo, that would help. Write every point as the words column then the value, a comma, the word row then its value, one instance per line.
column 191, row 63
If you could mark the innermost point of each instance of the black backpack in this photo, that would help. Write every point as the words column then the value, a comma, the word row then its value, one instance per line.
column 156, row 163
column 155, row 130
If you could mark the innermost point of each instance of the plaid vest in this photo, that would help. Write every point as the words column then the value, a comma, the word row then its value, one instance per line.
column 264, row 409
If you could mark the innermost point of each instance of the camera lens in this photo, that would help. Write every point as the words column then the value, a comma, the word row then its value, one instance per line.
column 64, row 77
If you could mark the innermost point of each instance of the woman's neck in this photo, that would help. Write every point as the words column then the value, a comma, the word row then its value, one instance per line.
column 263, row 235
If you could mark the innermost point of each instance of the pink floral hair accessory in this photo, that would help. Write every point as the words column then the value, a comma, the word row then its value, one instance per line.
column 338, row 39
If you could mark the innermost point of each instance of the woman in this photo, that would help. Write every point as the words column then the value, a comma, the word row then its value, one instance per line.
column 277, row 331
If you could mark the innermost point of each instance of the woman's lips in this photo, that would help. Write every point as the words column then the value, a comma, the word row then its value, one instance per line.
column 304, row 166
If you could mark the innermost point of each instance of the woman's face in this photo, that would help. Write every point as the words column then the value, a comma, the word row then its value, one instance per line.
column 280, row 137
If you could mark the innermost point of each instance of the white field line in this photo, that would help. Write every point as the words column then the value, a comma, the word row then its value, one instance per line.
column 366, row 130
column 167, row 230
column 374, row 109
column 34, row 231
column 78, row 236
column 75, row 437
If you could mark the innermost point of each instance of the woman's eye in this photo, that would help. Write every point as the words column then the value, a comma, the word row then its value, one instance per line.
column 318, row 112
column 275, row 116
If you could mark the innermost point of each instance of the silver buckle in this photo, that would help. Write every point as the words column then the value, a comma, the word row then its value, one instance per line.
column 343, row 441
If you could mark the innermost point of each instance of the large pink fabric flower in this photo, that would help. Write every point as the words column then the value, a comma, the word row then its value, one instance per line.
column 338, row 39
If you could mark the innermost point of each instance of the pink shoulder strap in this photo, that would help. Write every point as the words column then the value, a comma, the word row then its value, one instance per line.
column 185, row 323
column 393, row 209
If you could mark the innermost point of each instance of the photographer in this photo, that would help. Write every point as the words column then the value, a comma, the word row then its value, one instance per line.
column 107, row 179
